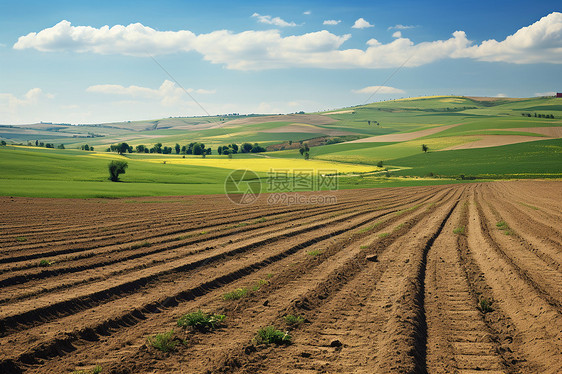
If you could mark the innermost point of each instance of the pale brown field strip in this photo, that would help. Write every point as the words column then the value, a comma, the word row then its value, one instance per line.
column 387, row 280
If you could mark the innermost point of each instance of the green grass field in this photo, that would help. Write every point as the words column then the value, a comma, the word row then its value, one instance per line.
column 37, row 171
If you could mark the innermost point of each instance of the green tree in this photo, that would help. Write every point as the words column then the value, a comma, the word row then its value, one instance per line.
column 245, row 147
column 3, row 142
column 116, row 167
column 140, row 148
column 122, row 148
column 379, row 164
column 178, row 148
column 425, row 148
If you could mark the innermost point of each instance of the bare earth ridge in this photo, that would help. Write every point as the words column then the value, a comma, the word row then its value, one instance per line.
column 387, row 280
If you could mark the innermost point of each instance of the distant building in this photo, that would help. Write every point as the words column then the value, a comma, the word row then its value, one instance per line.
column 559, row 94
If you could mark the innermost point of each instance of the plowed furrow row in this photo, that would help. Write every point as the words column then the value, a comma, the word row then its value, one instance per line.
column 529, row 313
column 76, row 299
column 149, row 257
column 458, row 337
column 350, row 313
column 327, row 236
column 528, row 265
column 304, row 292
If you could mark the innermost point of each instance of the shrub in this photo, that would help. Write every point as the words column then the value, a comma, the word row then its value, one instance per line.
column 201, row 320
column 115, row 168
column 293, row 320
column 21, row 239
column 164, row 342
column 236, row 294
column 270, row 335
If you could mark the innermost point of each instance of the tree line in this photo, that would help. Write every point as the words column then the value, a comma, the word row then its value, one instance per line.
column 194, row 148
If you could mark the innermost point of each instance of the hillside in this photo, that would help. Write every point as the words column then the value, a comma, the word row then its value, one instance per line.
column 466, row 137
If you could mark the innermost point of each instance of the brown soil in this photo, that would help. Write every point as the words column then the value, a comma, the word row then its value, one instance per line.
column 383, row 281
column 403, row 136
column 307, row 129
column 311, row 119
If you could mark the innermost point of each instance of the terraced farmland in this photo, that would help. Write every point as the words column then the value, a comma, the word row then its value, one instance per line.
column 461, row 278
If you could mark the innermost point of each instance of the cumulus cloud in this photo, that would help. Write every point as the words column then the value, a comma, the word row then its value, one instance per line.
column 361, row 24
column 31, row 97
column 18, row 109
column 168, row 93
column 501, row 95
column 268, row 49
column 331, row 22
column 540, row 42
column 307, row 13
column 378, row 89
column 397, row 34
column 401, row 27
column 134, row 39
column 276, row 21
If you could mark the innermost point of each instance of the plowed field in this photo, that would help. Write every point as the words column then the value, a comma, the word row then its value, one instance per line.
column 444, row 279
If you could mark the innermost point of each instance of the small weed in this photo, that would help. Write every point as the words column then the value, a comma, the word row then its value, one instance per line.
column 502, row 225
column 485, row 305
column 236, row 294
column 45, row 263
column 258, row 285
column 21, row 239
column 164, row 342
column 530, row 206
column 140, row 245
column 364, row 247
column 202, row 232
column 263, row 219
column 369, row 228
column 269, row 276
column 270, row 335
column 315, row 253
column 383, row 235
column 293, row 320
column 459, row 230
column 201, row 320
column 95, row 370
column 399, row 227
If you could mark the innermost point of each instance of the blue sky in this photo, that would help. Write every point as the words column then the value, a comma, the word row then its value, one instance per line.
column 99, row 61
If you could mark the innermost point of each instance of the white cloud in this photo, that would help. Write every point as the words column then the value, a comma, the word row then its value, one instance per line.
column 307, row 13
column 259, row 50
column 168, row 93
column 540, row 42
column 551, row 93
column 397, row 34
column 401, row 27
column 134, row 39
column 276, row 21
column 379, row 89
column 361, row 24
column 331, row 22
column 17, row 109
column 501, row 95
